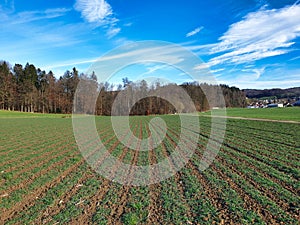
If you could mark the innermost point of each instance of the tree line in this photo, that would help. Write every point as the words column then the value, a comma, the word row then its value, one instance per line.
column 289, row 93
column 30, row 89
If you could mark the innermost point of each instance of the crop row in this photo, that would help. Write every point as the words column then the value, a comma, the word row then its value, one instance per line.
column 241, row 186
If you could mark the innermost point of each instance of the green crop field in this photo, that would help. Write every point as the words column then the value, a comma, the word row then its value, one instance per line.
column 14, row 114
column 290, row 113
column 45, row 180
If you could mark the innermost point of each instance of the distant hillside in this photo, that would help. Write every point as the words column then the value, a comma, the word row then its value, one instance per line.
column 279, row 93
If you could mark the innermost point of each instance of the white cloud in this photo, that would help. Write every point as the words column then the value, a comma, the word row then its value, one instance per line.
column 245, row 57
column 99, row 13
column 250, row 75
column 260, row 34
column 56, row 12
column 171, row 54
column 94, row 11
column 194, row 32
column 128, row 24
column 261, row 3
column 45, row 30
column 202, row 66
column 121, row 41
column 205, row 47
column 217, row 70
column 295, row 58
column 258, row 72
column 113, row 31
column 69, row 63
column 162, row 57
column 30, row 16
column 268, row 76
column 152, row 69
column 145, row 52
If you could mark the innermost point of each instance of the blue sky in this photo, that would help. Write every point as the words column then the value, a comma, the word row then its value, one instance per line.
column 245, row 43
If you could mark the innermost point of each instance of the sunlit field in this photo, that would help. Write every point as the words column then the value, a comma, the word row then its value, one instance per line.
column 44, row 178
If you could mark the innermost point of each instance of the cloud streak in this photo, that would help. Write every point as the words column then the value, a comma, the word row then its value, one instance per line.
column 70, row 63
column 30, row 16
column 194, row 32
column 152, row 69
column 112, row 31
column 32, row 28
column 259, row 35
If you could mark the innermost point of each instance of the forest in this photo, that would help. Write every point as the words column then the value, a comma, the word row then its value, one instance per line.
column 275, row 92
column 30, row 89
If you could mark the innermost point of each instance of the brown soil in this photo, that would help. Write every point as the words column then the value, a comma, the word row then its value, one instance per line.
column 18, row 158
column 178, row 179
column 60, row 204
column 31, row 179
column 32, row 165
column 225, row 215
column 155, row 205
column 39, row 192
column 29, row 200
column 254, row 156
column 264, row 191
column 267, row 176
column 43, row 155
column 95, row 200
column 249, row 202
column 118, row 209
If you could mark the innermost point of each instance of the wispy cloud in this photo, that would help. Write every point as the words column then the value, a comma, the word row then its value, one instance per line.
column 260, row 34
column 267, row 76
column 99, row 13
column 94, row 11
column 171, row 56
column 251, row 74
column 8, row 16
column 128, row 24
column 113, row 31
column 258, row 72
column 295, row 58
column 38, row 27
column 194, row 32
column 200, row 47
column 30, row 16
column 260, row 3
column 27, row 35
column 217, row 70
column 202, row 66
column 121, row 41
column 70, row 63
column 153, row 68
column 7, row 5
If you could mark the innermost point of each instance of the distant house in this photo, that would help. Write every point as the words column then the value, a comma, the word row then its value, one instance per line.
column 297, row 103
column 272, row 106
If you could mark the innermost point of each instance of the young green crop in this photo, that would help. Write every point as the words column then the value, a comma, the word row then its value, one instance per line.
column 256, row 171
